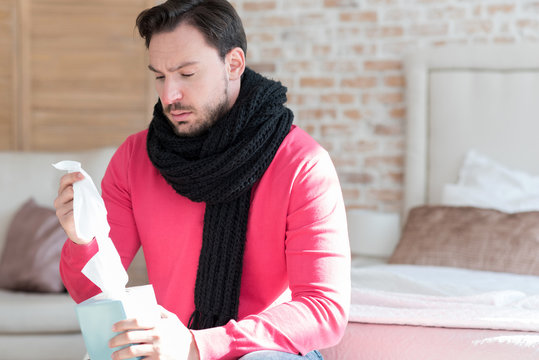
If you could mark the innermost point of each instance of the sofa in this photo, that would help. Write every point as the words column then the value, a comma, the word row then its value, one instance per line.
column 38, row 321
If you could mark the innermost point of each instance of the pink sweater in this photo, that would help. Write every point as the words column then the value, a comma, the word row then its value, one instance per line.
column 295, row 288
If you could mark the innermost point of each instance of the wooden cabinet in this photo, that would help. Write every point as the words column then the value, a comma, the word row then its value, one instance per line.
column 73, row 74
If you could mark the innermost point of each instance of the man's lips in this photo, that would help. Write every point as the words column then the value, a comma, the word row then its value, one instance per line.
column 180, row 115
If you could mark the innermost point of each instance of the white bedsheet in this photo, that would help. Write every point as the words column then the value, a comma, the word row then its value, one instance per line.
column 444, row 297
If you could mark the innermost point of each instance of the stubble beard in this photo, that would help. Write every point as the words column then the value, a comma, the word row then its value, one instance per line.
column 209, row 115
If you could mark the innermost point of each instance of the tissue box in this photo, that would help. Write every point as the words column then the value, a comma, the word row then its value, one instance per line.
column 97, row 315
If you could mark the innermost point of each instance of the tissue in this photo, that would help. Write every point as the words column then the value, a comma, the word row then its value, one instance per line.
column 105, row 268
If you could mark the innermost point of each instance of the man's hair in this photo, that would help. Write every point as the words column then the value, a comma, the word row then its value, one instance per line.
column 215, row 19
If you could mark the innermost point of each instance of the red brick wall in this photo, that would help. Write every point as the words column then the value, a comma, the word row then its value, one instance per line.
column 342, row 63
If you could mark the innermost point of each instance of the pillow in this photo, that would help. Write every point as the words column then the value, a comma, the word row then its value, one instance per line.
column 468, row 237
column 456, row 195
column 31, row 257
column 485, row 183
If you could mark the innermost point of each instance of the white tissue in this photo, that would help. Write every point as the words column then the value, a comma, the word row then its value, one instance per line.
column 105, row 268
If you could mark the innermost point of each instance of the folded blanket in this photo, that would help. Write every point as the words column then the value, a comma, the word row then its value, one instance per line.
column 444, row 297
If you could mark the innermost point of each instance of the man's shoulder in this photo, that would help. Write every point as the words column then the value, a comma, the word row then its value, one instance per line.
column 297, row 150
column 298, row 155
column 137, row 138
column 134, row 142
column 134, row 146
column 299, row 142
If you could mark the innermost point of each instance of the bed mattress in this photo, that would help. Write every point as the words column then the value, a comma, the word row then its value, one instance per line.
column 404, row 342
column 426, row 312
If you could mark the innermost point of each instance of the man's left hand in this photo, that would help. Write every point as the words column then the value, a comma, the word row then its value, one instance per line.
column 168, row 338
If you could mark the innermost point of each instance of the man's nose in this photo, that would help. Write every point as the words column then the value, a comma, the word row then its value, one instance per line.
column 172, row 92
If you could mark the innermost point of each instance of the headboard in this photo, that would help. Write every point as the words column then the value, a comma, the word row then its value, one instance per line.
column 461, row 97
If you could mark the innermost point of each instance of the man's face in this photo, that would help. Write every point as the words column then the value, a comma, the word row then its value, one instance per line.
column 190, row 78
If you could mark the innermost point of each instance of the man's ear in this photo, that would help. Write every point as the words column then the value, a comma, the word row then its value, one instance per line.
column 235, row 61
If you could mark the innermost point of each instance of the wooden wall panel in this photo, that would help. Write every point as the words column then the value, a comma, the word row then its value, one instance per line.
column 7, row 74
column 85, row 83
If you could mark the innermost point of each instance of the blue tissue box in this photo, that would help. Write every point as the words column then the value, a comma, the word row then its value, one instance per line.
column 97, row 315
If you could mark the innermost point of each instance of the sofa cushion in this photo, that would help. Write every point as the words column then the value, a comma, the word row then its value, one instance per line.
column 37, row 313
column 31, row 258
column 60, row 346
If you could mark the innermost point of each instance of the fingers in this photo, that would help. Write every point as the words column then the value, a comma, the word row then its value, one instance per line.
column 65, row 191
column 141, row 336
column 135, row 330
column 142, row 323
column 165, row 338
column 133, row 337
column 64, row 204
column 68, row 180
column 134, row 351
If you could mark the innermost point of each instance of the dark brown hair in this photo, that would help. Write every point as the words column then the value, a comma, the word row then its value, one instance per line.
column 215, row 19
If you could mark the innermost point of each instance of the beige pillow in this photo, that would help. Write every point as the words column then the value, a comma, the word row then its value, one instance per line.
column 472, row 238
column 31, row 257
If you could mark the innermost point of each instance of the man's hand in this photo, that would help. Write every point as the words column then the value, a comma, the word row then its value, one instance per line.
column 64, row 205
column 166, row 339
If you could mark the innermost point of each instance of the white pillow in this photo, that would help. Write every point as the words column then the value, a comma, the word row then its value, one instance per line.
column 487, row 184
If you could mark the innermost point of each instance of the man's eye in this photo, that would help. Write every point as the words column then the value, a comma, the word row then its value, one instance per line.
column 188, row 75
column 160, row 77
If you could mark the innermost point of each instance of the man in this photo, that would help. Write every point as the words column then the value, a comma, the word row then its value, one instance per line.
column 239, row 213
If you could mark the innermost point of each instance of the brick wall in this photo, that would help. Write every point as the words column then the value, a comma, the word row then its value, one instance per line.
column 342, row 63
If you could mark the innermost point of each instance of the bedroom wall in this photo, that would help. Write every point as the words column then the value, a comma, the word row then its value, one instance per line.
column 341, row 60
column 342, row 63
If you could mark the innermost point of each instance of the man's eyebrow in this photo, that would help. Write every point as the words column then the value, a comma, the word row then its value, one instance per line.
column 152, row 68
column 175, row 68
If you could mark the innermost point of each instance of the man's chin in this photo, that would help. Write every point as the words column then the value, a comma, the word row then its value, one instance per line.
column 192, row 128
column 185, row 131
column 182, row 129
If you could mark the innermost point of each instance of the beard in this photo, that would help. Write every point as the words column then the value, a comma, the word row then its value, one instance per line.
column 205, row 117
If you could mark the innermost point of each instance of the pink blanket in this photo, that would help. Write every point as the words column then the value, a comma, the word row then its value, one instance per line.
column 444, row 297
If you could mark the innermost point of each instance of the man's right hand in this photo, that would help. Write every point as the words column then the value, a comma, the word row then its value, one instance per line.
column 64, row 205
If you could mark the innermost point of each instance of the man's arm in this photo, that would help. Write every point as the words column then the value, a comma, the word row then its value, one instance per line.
column 318, row 267
column 76, row 252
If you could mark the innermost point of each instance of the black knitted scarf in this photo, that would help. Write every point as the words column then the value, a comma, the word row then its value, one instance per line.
column 220, row 168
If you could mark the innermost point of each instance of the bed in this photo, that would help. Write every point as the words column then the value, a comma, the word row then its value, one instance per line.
column 463, row 282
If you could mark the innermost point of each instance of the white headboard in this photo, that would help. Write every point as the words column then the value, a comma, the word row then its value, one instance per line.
column 482, row 97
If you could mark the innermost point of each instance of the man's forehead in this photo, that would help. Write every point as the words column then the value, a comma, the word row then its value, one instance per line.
column 183, row 45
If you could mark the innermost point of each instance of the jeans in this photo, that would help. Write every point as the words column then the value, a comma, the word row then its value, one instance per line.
column 278, row 355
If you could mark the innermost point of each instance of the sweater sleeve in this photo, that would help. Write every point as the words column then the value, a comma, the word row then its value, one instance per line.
column 318, row 263
column 74, row 257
